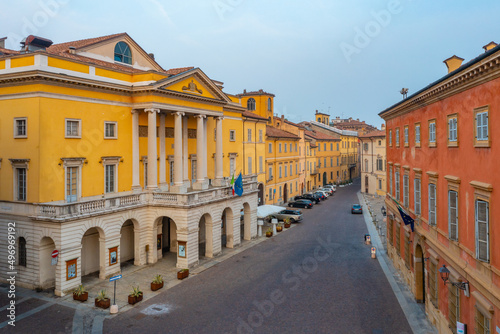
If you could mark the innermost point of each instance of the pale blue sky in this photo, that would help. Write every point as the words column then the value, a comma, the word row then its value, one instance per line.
column 310, row 54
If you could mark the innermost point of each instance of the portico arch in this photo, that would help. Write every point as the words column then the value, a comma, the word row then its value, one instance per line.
column 246, row 223
column 419, row 275
column 227, row 228
column 47, row 270
column 92, row 258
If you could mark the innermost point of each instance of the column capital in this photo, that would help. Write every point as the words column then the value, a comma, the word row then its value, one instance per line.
column 135, row 111
column 152, row 110
column 200, row 116
column 179, row 113
column 219, row 118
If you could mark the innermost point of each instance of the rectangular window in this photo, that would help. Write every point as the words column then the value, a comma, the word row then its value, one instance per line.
column 73, row 128
column 406, row 191
column 270, row 176
column 291, row 169
column 482, row 231
column 453, row 215
column 232, row 163
column 397, row 137
column 380, row 164
column 432, row 133
column 279, row 148
column 270, row 194
column 285, row 147
column 270, row 148
column 71, row 184
column 232, row 135
column 396, row 180
column 110, row 173
column 337, row 146
column 291, row 148
column 390, row 182
column 453, row 130
column 286, row 171
column 453, row 307
column 482, row 322
column 417, row 134
column 324, row 146
column 261, row 164
column 260, row 136
column 110, row 130
column 296, row 168
column 281, row 175
column 433, row 287
column 249, row 165
column 406, row 135
column 21, row 184
column 390, row 137
column 20, row 127
column 249, row 139
column 417, row 196
column 481, row 127
column 432, row 204
column 380, row 184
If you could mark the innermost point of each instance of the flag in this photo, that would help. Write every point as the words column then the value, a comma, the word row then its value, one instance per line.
column 238, row 185
column 406, row 217
column 232, row 184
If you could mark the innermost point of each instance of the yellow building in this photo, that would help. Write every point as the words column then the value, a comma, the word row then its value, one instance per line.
column 108, row 158
column 326, row 157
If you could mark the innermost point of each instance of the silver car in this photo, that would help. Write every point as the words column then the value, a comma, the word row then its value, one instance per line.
column 294, row 215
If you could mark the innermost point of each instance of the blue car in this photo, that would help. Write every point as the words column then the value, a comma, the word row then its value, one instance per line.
column 356, row 208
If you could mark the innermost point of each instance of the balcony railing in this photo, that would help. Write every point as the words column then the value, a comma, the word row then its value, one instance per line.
column 65, row 211
column 314, row 171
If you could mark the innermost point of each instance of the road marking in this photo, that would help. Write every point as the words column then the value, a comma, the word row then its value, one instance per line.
column 97, row 325
column 78, row 320
column 27, row 314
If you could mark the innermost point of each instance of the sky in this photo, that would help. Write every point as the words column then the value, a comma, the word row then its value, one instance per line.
column 344, row 58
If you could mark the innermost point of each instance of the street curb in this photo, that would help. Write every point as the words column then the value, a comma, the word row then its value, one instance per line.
column 417, row 319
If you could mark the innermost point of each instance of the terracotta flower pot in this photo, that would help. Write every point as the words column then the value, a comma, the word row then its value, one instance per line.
column 269, row 234
column 103, row 303
column 182, row 274
column 279, row 228
column 156, row 286
column 287, row 225
column 83, row 297
column 132, row 299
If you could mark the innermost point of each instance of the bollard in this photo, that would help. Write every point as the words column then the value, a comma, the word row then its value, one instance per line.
column 113, row 309
column 374, row 253
column 368, row 239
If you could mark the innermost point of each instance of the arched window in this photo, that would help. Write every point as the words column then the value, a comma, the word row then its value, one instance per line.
column 123, row 53
column 319, row 119
column 269, row 104
column 251, row 104
column 22, row 251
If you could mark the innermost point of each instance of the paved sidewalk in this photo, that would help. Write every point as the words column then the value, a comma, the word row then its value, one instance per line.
column 414, row 313
column 374, row 204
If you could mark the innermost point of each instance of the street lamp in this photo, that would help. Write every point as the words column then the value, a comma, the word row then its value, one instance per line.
column 445, row 276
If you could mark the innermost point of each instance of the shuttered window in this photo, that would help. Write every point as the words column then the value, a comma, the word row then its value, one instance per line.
column 432, row 132
column 482, row 126
column 390, row 181
column 397, row 185
column 391, row 231
column 482, row 231
column 482, row 323
column 452, row 129
column 71, row 184
column 433, row 287
column 417, row 197
column 417, row 134
column 453, row 215
column 453, row 307
column 432, row 204
column 406, row 191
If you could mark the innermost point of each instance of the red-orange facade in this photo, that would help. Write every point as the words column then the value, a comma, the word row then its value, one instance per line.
column 443, row 155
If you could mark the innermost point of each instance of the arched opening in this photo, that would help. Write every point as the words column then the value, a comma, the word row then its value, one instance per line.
column 419, row 275
column 227, row 228
column 324, row 178
column 47, row 270
column 245, row 227
column 261, row 194
column 91, row 250
column 165, row 234
column 127, row 244
column 285, row 193
column 206, row 236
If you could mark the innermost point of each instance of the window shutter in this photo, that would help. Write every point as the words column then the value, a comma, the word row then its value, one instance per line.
column 453, row 215
column 482, row 237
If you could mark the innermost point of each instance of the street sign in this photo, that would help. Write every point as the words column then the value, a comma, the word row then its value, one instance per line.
column 55, row 253
column 114, row 278
column 54, row 261
column 374, row 250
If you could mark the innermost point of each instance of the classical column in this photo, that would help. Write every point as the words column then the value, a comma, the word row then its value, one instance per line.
column 163, row 169
column 201, row 149
column 136, row 184
column 185, row 152
column 205, row 154
column 179, row 186
column 218, row 153
column 152, row 150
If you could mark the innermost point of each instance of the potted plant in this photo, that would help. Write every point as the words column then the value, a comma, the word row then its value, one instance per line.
column 269, row 233
column 287, row 223
column 157, row 283
column 102, row 300
column 279, row 227
column 135, row 296
column 80, row 293
column 183, row 273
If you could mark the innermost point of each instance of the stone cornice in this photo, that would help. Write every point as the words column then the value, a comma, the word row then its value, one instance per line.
column 485, row 70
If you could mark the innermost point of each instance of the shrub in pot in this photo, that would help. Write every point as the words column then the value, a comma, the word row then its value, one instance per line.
column 157, row 283
column 102, row 300
column 80, row 293
column 135, row 296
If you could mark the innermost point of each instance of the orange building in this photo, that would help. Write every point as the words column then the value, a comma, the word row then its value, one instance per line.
column 443, row 154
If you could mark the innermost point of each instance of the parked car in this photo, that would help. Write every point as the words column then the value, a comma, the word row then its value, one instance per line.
column 293, row 215
column 356, row 208
column 311, row 197
column 331, row 186
column 327, row 190
column 326, row 194
column 321, row 195
column 301, row 203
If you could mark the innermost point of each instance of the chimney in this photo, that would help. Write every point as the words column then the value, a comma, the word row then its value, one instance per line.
column 72, row 50
column 489, row 46
column 316, row 111
column 2, row 42
column 453, row 63
column 244, row 91
column 151, row 55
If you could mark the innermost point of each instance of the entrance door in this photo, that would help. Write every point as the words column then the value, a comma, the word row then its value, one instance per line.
column 366, row 184
column 165, row 235
column 285, row 193
column 324, row 178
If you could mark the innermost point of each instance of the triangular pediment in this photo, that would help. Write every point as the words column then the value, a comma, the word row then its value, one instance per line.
column 194, row 83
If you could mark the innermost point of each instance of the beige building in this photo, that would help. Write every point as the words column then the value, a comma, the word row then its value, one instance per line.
column 373, row 161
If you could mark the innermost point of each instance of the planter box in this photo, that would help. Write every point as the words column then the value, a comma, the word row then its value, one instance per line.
column 279, row 228
column 83, row 297
column 103, row 303
column 182, row 274
column 287, row 225
column 156, row 286
column 269, row 234
column 132, row 299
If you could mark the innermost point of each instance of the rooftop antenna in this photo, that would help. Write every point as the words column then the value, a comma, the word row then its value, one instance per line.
column 404, row 92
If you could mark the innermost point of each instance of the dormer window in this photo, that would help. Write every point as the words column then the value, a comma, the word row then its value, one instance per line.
column 123, row 53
